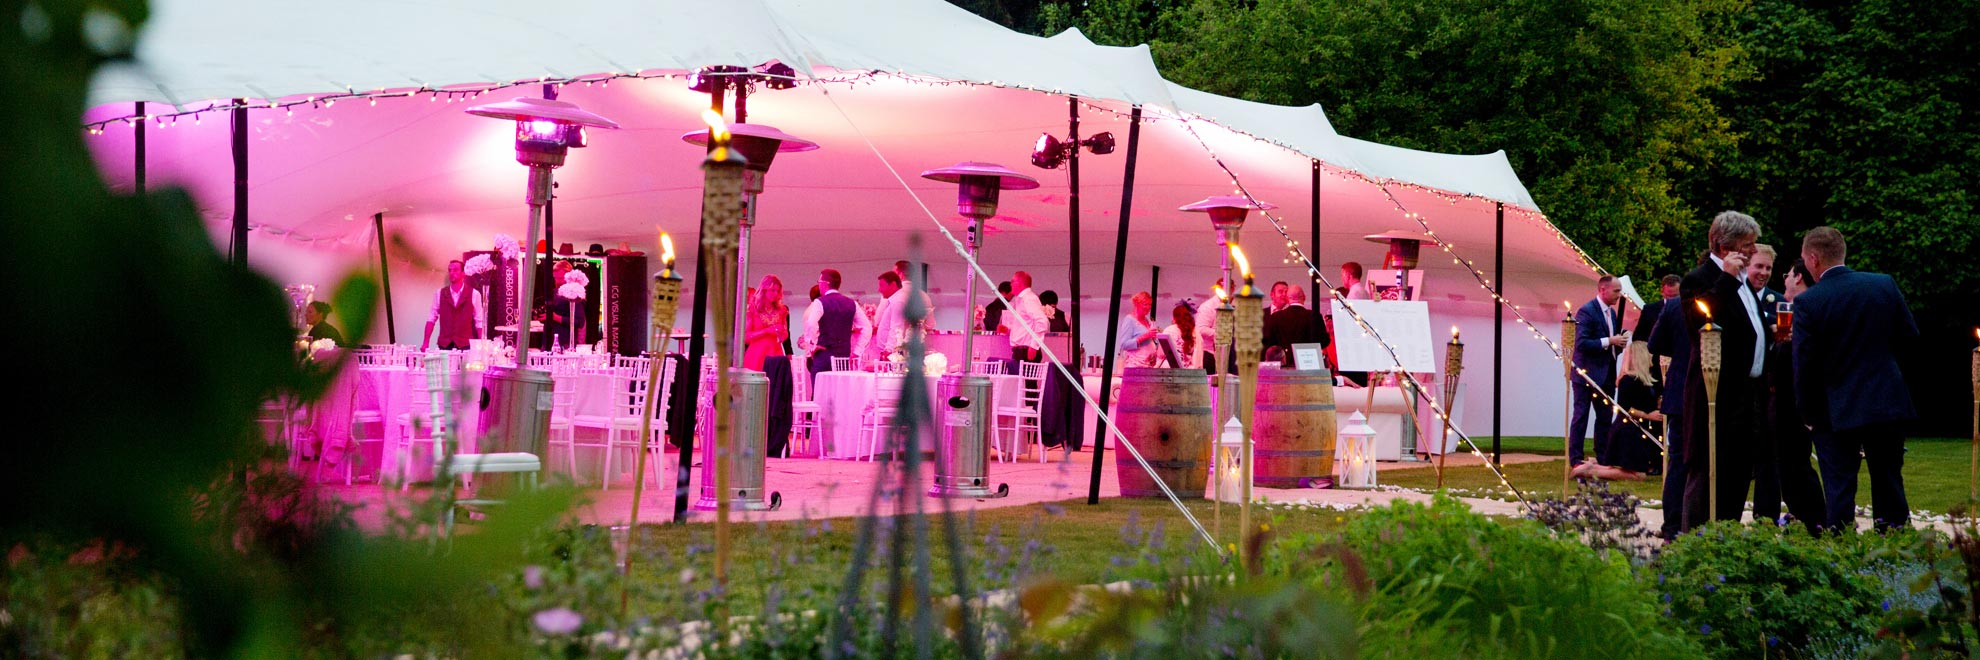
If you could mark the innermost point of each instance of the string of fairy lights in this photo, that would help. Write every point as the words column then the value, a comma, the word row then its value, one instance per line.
column 1366, row 327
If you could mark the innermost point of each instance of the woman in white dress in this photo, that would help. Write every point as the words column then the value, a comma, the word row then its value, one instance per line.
column 1136, row 338
column 1184, row 335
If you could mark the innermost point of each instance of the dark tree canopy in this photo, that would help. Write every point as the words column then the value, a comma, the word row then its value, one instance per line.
column 1633, row 121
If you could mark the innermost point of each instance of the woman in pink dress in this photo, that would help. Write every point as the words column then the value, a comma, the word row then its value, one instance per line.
column 769, row 323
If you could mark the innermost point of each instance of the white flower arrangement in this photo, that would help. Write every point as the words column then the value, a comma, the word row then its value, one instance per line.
column 478, row 264
column 933, row 363
column 508, row 246
column 577, row 277
column 571, row 290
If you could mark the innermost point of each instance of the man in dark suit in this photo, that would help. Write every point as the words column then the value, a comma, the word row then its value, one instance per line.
column 1847, row 329
column 1294, row 324
column 1599, row 339
column 1669, row 340
column 1720, row 285
column 318, row 327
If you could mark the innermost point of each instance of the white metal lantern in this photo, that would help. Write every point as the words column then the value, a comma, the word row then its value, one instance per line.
column 1357, row 453
column 1227, row 483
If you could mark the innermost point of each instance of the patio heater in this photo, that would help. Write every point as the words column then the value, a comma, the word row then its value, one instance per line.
column 513, row 416
column 962, row 460
column 1227, row 214
column 1404, row 250
column 759, row 145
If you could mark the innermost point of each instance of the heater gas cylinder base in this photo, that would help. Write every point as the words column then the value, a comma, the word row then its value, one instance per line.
column 967, row 489
column 745, row 500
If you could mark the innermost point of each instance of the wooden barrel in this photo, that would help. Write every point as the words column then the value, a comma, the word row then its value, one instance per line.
column 1165, row 415
column 1293, row 428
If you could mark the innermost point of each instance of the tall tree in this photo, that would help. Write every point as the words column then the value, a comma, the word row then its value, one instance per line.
column 1601, row 105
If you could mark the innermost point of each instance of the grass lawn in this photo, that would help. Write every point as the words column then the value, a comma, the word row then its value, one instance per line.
column 1935, row 474
column 1070, row 540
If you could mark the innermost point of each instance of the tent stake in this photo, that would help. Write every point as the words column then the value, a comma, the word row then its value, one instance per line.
column 1114, row 306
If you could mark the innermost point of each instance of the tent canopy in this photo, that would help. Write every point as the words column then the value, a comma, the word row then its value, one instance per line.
column 894, row 87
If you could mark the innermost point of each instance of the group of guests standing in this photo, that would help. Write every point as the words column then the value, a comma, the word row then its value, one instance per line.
column 1810, row 366
column 1192, row 330
column 836, row 325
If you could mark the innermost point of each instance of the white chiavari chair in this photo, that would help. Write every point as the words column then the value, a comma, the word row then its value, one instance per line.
column 804, row 414
column 1017, row 426
column 564, row 377
column 879, row 415
column 628, row 406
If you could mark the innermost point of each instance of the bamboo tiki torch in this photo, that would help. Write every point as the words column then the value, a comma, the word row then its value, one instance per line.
column 1568, row 336
column 1248, row 307
column 1710, row 358
column 666, row 299
column 1453, row 367
column 721, row 218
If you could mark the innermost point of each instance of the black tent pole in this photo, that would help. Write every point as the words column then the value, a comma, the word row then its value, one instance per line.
column 697, row 325
column 238, row 253
column 1498, row 323
column 1154, row 282
column 1314, row 252
column 1114, row 305
column 139, row 156
column 384, row 278
column 1072, row 228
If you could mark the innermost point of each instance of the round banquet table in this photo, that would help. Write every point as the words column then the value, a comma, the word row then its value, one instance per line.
column 843, row 396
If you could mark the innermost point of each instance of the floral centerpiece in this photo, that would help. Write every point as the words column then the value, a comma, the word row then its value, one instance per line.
column 933, row 363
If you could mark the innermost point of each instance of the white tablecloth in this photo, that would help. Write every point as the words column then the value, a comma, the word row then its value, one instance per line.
column 842, row 397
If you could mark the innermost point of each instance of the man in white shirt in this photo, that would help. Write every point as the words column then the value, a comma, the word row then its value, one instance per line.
column 890, row 323
column 1026, row 312
column 1352, row 279
column 1206, row 327
column 833, row 324
column 459, row 311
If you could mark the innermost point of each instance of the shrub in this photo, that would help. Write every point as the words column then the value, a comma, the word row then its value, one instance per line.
column 1449, row 582
column 1765, row 589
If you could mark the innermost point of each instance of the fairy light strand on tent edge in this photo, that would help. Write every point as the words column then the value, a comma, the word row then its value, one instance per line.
column 1368, row 329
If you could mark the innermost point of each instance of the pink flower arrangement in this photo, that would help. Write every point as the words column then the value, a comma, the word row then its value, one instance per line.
column 571, row 290
column 508, row 246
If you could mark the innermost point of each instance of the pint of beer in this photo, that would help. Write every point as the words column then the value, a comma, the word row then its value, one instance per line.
column 1784, row 319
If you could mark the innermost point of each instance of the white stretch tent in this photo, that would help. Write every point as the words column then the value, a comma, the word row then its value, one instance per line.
column 894, row 87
